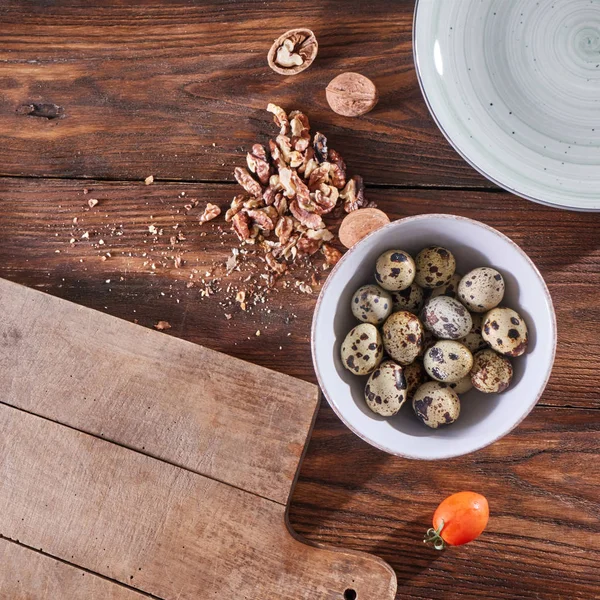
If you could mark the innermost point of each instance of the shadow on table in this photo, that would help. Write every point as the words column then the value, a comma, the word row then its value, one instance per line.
column 405, row 551
column 339, row 474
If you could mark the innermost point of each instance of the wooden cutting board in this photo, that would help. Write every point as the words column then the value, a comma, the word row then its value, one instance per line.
column 135, row 465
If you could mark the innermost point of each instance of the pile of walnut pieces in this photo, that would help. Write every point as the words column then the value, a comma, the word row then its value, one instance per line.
column 288, row 189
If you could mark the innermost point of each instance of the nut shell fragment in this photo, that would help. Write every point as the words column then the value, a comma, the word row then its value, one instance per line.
column 359, row 223
column 293, row 52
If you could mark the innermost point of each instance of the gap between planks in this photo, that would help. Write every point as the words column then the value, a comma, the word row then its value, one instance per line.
column 79, row 567
column 162, row 460
column 231, row 182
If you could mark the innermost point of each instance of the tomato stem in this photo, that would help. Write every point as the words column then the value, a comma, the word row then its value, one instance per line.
column 433, row 536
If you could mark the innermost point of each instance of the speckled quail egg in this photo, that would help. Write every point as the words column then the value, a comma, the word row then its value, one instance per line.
column 362, row 350
column 491, row 373
column 481, row 289
column 435, row 267
column 436, row 404
column 395, row 270
column 403, row 337
column 446, row 317
column 463, row 385
column 505, row 331
column 371, row 304
column 473, row 340
column 449, row 289
column 385, row 392
column 410, row 299
column 448, row 361
column 415, row 376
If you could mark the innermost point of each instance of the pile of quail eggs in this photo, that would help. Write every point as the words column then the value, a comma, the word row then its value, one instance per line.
column 428, row 335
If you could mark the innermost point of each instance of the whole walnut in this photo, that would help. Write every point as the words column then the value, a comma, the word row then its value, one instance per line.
column 351, row 94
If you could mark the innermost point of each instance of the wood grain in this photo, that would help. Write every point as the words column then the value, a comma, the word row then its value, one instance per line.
column 542, row 482
column 124, row 90
column 30, row 575
column 159, row 528
column 36, row 225
column 190, row 406
column 179, row 89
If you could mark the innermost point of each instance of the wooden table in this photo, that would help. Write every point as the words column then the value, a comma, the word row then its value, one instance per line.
column 95, row 97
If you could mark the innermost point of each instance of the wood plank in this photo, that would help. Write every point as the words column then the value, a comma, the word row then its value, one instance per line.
column 159, row 528
column 29, row 575
column 543, row 486
column 207, row 412
column 159, row 88
column 36, row 221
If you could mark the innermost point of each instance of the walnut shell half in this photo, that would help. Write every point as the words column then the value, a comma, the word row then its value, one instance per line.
column 293, row 52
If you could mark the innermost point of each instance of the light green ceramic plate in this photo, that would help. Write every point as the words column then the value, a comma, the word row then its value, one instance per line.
column 515, row 87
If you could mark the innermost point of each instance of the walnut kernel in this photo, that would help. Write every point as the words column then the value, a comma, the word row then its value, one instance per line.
column 210, row 212
column 293, row 52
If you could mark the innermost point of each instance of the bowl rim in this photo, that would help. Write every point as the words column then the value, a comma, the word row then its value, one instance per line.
column 347, row 256
column 460, row 152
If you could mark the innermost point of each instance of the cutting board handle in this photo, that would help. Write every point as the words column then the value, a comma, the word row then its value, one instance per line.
column 345, row 574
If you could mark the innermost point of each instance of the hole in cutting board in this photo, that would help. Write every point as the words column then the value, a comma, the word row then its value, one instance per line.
column 350, row 594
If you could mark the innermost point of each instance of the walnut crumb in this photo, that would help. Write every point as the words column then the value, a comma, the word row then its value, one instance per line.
column 92, row 202
column 149, row 180
column 162, row 325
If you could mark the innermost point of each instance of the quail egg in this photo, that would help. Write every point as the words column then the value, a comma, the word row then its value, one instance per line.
column 403, row 337
column 371, row 304
column 473, row 340
column 436, row 404
column 505, row 331
column 448, row 361
column 491, row 373
column 435, row 267
column 395, row 270
column 385, row 391
column 463, row 385
column 362, row 350
column 410, row 299
column 448, row 289
column 415, row 375
column 446, row 318
column 481, row 289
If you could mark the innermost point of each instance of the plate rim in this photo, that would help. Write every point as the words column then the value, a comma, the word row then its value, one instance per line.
column 468, row 160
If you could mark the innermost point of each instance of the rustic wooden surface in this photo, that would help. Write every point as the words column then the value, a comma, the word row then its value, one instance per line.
column 32, row 575
column 162, row 529
column 184, row 404
column 148, row 90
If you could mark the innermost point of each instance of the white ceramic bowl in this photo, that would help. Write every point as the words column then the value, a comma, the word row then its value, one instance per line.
column 515, row 87
column 484, row 417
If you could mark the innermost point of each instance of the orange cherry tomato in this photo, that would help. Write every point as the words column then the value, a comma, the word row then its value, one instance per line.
column 459, row 519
